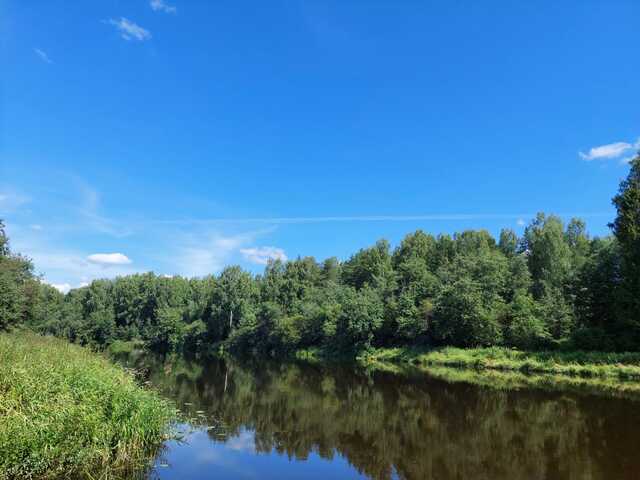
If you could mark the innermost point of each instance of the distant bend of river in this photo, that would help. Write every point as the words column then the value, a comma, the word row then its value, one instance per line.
column 296, row 421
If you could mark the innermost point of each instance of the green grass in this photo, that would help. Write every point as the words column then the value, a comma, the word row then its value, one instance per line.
column 120, row 347
column 514, row 380
column 66, row 412
column 619, row 366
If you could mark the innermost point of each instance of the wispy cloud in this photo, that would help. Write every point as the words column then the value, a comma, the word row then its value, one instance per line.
column 43, row 56
column 93, row 234
column 262, row 255
column 209, row 252
column 162, row 6
column 368, row 218
column 89, row 208
column 130, row 30
column 109, row 259
column 609, row 151
column 11, row 200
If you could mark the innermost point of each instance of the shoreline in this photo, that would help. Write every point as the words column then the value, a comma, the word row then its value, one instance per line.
column 613, row 375
column 620, row 366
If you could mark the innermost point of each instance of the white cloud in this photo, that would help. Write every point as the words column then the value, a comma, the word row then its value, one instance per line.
column 262, row 255
column 61, row 287
column 68, row 267
column 609, row 151
column 161, row 6
column 244, row 442
column 108, row 259
column 43, row 56
column 130, row 30
column 62, row 267
column 66, row 287
column 208, row 254
column 521, row 222
column 35, row 226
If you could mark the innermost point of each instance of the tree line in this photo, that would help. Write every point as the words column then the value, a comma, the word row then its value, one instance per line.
column 552, row 287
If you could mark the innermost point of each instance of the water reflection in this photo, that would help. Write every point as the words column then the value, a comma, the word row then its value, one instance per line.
column 300, row 421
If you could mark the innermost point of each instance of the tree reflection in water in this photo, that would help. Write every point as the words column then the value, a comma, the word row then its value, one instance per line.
column 407, row 426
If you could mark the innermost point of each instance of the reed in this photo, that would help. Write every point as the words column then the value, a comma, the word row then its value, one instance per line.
column 67, row 412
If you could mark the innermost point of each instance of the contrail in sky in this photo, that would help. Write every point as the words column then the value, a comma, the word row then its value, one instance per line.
column 373, row 218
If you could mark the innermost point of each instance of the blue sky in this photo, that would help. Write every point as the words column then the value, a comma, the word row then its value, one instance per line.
column 182, row 136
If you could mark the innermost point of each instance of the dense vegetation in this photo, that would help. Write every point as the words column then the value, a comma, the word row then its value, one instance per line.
column 555, row 286
column 68, row 412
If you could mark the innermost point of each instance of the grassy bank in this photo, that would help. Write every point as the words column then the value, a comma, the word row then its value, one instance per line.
column 619, row 366
column 68, row 412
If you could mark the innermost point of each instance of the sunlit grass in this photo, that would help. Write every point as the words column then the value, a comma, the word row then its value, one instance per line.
column 622, row 366
column 610, row 374
column 68, row 412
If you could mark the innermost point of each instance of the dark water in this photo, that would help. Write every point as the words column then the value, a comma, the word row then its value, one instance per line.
column 286, row 421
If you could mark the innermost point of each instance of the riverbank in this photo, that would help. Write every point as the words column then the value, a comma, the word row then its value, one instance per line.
column 68, row 412
column 618, row 366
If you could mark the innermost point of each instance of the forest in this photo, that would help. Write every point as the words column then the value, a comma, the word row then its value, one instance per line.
column 554, row 287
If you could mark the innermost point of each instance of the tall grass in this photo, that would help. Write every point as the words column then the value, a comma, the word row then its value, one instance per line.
column 619, row 366
column 66, row 412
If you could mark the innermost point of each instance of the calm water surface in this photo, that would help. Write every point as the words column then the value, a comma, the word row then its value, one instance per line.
column 286, row 421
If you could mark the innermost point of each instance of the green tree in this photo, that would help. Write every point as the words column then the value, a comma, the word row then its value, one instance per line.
column 371, row 267
column 626, row 228
column 464, row 317
column 598, row 286
column 361, row 315
column 16, row 278
column 548, row 253
column 169, row 331
column 525, row 328
column 415, row 262
column 233, row 299
column 508, row 243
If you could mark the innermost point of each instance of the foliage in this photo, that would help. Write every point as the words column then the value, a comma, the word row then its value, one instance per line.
column 626, row 228
column 525, row 328
column 16, row 282
column 67, row 412
column 551, row 287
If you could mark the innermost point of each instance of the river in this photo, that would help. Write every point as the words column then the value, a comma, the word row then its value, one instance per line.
column 264, row 420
